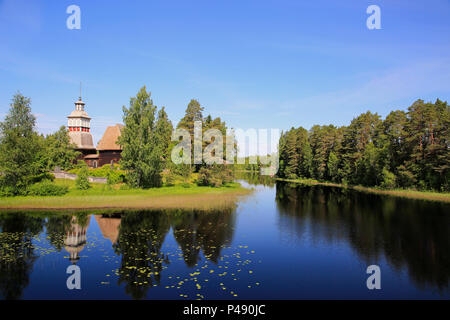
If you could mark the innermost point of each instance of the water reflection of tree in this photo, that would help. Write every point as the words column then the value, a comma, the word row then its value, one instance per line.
column 57, row 226
column 208, row 231
column 255, row 178
column 410, row 233
column 17, row 252
column 141, row 235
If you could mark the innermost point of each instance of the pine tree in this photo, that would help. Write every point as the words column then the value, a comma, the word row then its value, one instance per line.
column 292, row 156
column 163, row 134
column 193, row 113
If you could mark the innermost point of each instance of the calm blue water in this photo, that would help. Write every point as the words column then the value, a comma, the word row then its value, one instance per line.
column 282, row 242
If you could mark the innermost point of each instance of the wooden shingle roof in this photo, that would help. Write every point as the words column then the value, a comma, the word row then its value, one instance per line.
column 109, row 139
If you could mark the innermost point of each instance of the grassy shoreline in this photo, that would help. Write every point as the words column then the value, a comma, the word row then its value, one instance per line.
column 411, row 194
column 100, row 197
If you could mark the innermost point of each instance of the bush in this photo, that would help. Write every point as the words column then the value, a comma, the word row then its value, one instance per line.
column 168, row 177
column 114, row 174
column 82, row 182
column 43, row 176
column 406, row 178
column 215, row 176
column 47, row 188
column 124, row 187
column 389, row 179
column 8, row 191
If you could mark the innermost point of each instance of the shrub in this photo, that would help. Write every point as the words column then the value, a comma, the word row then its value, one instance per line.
column 106, row 171
column 388, row 179
column 47, row 188
column 168, row 177
column 115, row 176
column 406, row 178
column 43, row 176
column 215, row 176
column 7, row 191
column 124, row 187
column 82, row 182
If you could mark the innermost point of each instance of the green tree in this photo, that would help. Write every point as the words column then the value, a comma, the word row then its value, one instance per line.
column 292, row 158
column 323, row 140
column 394, row 128
column 361, row 131
column 142, row 141
column 333, row 167
column 59, row 151
column 193, row 113
column 163, row 134
column 19, row 147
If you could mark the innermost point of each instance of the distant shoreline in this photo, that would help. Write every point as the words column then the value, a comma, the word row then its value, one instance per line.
column 411, row 194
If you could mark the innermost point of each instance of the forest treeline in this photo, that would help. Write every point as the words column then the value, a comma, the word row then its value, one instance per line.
column 408, row 149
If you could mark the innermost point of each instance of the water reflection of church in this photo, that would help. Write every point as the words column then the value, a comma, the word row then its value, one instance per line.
column 75, row 239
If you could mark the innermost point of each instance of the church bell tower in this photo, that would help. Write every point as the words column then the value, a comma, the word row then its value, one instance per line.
column 80, row 127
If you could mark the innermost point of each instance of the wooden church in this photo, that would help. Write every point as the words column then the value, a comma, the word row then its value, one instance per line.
column 107, row 152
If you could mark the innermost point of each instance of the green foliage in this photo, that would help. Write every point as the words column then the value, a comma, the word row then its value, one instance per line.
column 407, row 150
column 20, row 147
column 193, row 113
column 168, row 177
column 144, row 140
column 215, row 176
column 113, row 173
column 47, row 188
column 82, row 182
column 163, row 134
column 58, row 151
column 8, row 191
column 388, row 179
column 247, row 164
column 333, row 167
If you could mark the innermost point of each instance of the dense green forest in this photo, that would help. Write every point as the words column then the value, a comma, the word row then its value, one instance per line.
column 405, row 150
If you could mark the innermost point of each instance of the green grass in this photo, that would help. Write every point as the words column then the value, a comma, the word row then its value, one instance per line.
column 405, row 193
column 102, row 196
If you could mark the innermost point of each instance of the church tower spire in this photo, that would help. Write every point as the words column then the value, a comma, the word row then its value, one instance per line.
column 79, row 125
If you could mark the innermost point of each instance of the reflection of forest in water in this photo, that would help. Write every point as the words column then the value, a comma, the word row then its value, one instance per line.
column 136, row 236
column 254, row 178
column 409, row 233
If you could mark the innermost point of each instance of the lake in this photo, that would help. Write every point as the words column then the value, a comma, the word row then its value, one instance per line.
column 284, row 241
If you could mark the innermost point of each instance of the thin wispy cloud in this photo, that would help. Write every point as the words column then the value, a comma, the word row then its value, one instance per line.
column 411, row 81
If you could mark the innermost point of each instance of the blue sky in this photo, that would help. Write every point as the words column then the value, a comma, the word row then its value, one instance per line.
column 256, row 64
